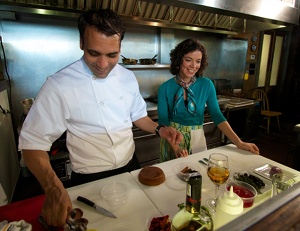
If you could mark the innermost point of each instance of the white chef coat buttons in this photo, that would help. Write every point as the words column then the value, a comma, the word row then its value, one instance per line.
column 121, row 97
column 101, row 103
column 94, row 77
column 125, row 121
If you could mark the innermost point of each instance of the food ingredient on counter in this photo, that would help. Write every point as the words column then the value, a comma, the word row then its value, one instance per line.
column 160, row 224
column 243, row 192
column 151, row 175
column 256, row 182
column 275, row 170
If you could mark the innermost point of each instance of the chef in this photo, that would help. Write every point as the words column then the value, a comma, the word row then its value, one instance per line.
column 95, row 101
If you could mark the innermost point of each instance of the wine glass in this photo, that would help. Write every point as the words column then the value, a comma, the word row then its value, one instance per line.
column 218, row 172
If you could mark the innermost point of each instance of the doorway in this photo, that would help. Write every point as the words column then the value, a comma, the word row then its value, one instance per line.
column 273, row 65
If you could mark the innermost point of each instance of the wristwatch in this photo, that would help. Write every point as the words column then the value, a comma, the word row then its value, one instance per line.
column 157, row 128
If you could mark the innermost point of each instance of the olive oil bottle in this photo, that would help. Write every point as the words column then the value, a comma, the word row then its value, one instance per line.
column 192, row 217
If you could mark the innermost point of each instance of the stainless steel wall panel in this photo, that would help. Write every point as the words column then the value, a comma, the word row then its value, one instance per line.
column 37, row 48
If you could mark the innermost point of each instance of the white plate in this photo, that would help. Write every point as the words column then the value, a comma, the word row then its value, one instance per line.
column 268, row 184
column 264, row 170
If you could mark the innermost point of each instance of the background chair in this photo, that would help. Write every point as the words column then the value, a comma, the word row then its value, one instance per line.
column 265, row 110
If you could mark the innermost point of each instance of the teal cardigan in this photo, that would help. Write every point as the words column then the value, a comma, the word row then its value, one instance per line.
column 205, row 94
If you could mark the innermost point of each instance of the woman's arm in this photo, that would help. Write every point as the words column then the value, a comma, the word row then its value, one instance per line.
column 232, row 136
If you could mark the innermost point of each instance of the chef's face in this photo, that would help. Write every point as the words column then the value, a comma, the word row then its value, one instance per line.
column 101, row 52
column 191, row 63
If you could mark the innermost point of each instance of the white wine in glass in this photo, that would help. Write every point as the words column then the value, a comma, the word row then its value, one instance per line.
column 218, row 172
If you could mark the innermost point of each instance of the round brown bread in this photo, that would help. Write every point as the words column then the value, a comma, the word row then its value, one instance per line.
column 151, row 175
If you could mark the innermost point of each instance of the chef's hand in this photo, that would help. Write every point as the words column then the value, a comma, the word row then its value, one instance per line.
column 56, row 206
column 171, row 134
column 248, row 147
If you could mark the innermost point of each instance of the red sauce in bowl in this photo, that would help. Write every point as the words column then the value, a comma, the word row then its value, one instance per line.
column 244, row 193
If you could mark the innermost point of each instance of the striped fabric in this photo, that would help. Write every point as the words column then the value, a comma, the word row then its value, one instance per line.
column 166, row 152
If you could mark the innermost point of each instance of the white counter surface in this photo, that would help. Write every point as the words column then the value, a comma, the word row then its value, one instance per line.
column 172, row 191
column 132, row 217
column 144, row 201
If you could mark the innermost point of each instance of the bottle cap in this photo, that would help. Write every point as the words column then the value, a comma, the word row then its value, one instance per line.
column 230, row 202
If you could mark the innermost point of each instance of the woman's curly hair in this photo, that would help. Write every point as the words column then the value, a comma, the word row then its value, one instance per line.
column 183, row 48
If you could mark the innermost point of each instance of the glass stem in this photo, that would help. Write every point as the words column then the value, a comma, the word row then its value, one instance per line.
column 216, row 192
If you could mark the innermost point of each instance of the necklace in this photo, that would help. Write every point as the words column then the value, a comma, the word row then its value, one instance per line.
column 185, row 85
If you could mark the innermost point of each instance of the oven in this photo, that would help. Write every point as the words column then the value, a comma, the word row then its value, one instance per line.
column 212, row 133
column 147, row 144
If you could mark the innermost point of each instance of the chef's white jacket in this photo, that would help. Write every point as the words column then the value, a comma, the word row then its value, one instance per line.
column 96, row 113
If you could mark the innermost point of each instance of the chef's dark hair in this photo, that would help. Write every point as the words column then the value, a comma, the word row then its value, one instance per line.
column 105, row 20
column 187, row 46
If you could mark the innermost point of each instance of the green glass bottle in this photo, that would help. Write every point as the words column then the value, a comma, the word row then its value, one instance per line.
column 192, row 217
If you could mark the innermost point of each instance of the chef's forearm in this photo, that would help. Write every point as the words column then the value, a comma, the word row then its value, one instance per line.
column 38, row 163
column 146, row 124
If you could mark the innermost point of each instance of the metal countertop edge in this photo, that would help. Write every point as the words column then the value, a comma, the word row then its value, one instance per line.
column 253, row 216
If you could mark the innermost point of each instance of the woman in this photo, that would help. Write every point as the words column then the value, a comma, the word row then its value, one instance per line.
column 182, row 100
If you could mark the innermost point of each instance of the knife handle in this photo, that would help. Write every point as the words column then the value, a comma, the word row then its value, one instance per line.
column 86, row 201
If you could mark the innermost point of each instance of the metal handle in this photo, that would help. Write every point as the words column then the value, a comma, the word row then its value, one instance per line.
column 208, row 123
column 144, row 136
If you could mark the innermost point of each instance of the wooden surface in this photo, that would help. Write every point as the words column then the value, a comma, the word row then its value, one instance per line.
column 284, row 218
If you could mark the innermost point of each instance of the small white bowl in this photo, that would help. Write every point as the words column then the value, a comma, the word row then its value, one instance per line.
column 114, row 195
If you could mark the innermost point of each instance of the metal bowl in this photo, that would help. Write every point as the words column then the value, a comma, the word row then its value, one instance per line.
column 147, row 61
column 129, row 61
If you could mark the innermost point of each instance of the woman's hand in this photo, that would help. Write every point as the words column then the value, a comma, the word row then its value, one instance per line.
column 248, row 147
column 181, row 153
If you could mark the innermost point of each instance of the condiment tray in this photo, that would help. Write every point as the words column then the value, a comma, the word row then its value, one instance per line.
column 264, row 171
column 268, row 184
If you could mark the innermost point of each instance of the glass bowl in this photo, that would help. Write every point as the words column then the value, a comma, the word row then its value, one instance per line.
column 244, row 190
column 114, row 195
column 186, row 169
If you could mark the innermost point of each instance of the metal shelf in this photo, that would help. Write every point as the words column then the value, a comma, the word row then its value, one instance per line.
column 152, row 66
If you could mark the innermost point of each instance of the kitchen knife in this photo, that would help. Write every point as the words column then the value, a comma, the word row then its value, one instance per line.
column 97, row 207
column 202, row 162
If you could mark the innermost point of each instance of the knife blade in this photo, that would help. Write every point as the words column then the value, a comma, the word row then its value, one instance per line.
column 95, row 206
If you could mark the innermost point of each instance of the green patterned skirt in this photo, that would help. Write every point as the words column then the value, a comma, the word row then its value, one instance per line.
column 166, row 152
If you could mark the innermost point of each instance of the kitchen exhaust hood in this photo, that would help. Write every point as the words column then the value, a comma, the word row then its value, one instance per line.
column 216, row 16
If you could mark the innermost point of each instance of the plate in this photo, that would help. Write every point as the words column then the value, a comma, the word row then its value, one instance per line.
column 268, row 184
column 264, row 170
